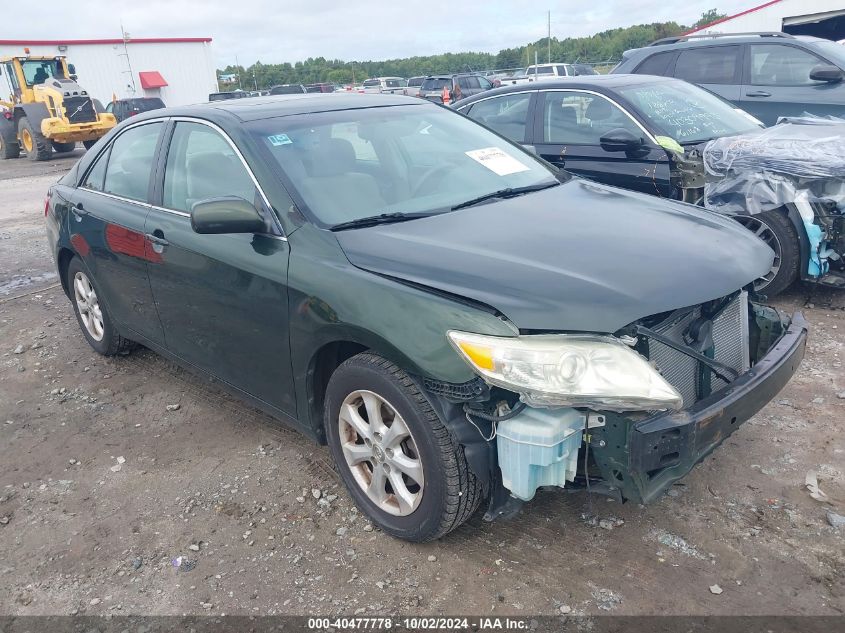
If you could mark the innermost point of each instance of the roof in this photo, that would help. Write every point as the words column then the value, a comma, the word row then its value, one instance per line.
column 151, row 79
column 598, row 83
column 257, row 108
column 134, row 40
column 731, row 17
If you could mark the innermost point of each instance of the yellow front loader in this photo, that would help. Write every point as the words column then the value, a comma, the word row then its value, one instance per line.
column 46, row 109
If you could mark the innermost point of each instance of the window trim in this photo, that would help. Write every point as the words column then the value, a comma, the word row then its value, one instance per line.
column 746, row 71
column 541, row 123
column 161, row 154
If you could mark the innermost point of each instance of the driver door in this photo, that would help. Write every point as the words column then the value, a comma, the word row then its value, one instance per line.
column 568, row 128
column 222, row 299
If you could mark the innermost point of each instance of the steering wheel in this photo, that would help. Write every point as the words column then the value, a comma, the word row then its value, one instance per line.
column 429, row 174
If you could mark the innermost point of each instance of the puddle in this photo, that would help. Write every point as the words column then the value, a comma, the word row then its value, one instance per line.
column 23, row 282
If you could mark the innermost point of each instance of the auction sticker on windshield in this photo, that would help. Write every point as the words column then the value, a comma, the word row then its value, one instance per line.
column 497, row 161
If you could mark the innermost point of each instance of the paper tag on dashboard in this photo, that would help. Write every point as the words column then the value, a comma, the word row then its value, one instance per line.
column 497, row 161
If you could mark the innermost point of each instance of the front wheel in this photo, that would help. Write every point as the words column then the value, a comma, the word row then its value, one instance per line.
column 89, row 144
column 777, row 231
column 9, row 146
column 92, row 315
column 35, row 144
column 398, row 460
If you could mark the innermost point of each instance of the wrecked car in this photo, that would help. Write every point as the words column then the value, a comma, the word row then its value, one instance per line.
column 787, row 184
column 461, row 323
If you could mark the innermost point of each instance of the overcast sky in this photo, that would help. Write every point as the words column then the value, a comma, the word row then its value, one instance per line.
column 275, row 31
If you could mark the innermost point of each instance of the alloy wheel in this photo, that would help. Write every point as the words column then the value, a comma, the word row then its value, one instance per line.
column 765, row 233
column 88, row 305
column 381, row 452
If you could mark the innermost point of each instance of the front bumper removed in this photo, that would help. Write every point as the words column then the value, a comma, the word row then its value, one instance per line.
column 664, row 448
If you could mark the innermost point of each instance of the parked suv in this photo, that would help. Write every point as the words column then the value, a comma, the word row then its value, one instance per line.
column 391, row 85
column 459, row 86
column 125, row 108
column 288, row 89
column 769, row 75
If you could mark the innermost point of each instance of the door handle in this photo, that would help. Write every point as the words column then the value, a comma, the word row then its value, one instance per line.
column 758, row 93
column 155, row 239
column 78, row 211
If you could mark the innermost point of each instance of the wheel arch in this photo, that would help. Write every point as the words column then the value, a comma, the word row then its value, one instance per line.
column 63, row 257
column 35, row 112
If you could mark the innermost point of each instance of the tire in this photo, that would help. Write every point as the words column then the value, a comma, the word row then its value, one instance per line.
column 89, row 144
column 105, row 339
column 39, row 147
column 62, row 148
column 9, row 146
column 449, row 492
column 776, row 229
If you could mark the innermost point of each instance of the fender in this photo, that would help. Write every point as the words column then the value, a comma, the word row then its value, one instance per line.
column 34, row 112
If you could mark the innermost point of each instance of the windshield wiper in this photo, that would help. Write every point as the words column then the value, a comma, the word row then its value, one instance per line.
column 510, row 192
column 373, row 220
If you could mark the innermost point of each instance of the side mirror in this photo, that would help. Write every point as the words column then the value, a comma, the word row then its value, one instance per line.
column 825, row 72
column 620, row 140
column 227, row 214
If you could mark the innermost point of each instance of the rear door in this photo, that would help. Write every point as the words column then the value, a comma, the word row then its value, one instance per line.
column 222, row 299
column 106, row 225
column 567, row 131
column 717, row 68
column 777, row 83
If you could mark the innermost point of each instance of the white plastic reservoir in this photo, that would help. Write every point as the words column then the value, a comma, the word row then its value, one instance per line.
column 539, row 447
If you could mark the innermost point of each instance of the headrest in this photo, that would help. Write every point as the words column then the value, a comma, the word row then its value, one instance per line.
column 333, row 157
column 599, row 109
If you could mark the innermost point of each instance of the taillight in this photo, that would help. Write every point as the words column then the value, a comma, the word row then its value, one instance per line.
column 8, row 115
column 46, row 206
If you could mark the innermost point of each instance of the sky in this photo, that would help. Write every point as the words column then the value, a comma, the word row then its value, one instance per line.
column 274, row 31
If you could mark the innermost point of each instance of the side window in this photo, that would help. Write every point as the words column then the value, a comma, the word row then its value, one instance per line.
column 96, row 175
column 544, row 70
column 582, row 119
column 200, row 165
column 110, row 106
column 561, row 71
column 777, row 65
column 465, row 83
column 130, row 162
column 506, row 114
column 484, row 83
column 712, row 65
column 656, row 65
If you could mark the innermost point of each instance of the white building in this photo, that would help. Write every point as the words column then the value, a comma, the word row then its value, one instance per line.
column 820, row 18
column 179, row 70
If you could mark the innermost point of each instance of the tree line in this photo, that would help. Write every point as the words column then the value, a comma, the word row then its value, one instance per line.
column 606, row 47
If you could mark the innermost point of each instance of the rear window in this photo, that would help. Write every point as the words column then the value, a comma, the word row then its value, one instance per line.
column 436, row 83
column 656, row 64
column 415, row 81
column 395, row 83
column 371, row 82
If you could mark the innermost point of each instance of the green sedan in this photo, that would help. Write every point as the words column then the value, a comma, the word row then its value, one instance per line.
column 461, row 322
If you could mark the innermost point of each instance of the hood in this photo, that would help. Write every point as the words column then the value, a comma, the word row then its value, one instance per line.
column 577, row 257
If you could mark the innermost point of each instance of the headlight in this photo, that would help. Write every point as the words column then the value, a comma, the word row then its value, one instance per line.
column 568, row 370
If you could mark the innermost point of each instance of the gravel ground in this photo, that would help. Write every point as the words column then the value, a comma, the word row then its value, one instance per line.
column 128, row 485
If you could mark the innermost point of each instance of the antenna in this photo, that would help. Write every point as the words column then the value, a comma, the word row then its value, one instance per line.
column 125, row 53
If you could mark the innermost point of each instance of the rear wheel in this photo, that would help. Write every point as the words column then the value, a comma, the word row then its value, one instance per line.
column 89, row 144
column 34, row 143
column 9, row 146
column 399, row 462
column 92, row 315
column 777, row 231
column 63, row 147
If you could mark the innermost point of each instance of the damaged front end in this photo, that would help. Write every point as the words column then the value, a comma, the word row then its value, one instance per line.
column 699, row 373
column 796, row 167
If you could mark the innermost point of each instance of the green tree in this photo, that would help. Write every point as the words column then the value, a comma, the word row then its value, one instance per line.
column 709, row 16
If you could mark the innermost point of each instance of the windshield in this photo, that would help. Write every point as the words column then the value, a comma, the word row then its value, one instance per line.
column 834, row 51
column 39, row 71
column 687, row 113
column 413, row 159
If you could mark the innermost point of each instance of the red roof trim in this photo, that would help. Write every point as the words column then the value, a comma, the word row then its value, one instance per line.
column 731, row 17
column 134, row 40
column 151, row 79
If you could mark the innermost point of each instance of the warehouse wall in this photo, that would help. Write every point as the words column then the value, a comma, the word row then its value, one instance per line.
column 771, row 17
column 187, row 67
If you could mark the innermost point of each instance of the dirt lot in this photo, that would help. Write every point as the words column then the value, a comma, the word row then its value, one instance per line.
column 112, row 468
